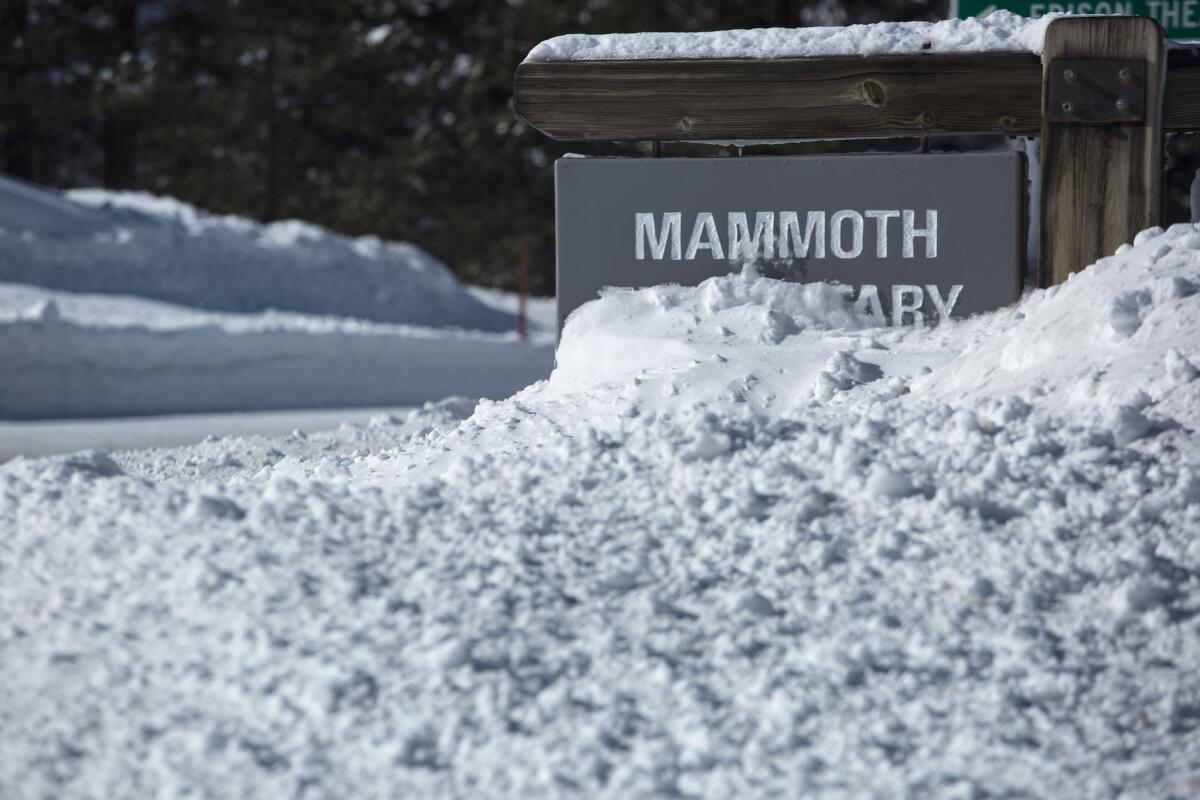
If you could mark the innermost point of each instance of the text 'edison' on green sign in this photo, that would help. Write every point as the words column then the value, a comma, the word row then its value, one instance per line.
column 1179, row 18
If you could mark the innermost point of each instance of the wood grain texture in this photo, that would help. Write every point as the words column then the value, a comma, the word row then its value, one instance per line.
column 782, row 98
column 808, row 97
column 1181, row 95
column 1100, row 183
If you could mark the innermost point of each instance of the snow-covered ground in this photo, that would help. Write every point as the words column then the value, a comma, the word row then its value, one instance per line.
column 47, row 437
column 66, row 355
column 117, row 304
column 741, row 544
column 999, row 31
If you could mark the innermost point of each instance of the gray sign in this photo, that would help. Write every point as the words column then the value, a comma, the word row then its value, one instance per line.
column 930, row 235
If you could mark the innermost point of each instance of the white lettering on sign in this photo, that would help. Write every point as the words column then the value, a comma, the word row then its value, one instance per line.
column 744, row 245
column 881, row 234
column 907, row 300
column 644, row 232
column 867, row 301
column 842, row 234
column 944, row 307
column 1168, row 12
column 813, row 236
column 837, row 234
column 1101, row 7
column 704, row 237
column 929, row 233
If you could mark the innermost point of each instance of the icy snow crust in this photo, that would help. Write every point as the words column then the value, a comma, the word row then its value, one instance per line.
column 999, row 31
column 92, row 240
column 742, row 544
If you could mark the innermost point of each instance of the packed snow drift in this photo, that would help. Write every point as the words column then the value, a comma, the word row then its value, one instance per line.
column 118, row 304
column 743, row 543
column 1000, row 31
column 132, row 243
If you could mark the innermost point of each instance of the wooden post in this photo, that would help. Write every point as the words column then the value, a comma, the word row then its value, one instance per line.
column 1101, row 153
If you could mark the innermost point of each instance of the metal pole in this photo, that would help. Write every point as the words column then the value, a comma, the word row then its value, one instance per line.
column 522, row 293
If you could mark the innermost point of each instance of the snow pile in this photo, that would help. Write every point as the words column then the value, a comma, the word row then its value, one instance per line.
column 997, row 32
column 91, row 240
column 753, row 548
column 665, row 326
column 85, row 331
column 1111, row 337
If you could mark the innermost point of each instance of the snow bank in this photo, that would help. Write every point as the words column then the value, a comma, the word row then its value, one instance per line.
column 71, row 355
column 1101, row 341
column 1118, row 320
column 753, row 548
column 85, row 331
column 999, row 31
column 137, row 244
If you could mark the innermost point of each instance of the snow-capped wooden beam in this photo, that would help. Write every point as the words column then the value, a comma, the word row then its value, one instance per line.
column 1102, row 135
column 800, row 98
column 790, row 98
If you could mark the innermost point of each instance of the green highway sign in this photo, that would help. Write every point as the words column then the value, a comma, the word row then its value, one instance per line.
column 1179, row 18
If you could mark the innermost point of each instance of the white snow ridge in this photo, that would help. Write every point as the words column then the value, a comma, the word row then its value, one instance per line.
column 966, row 568
column 121, row 303
column 997, row 32
column 133, row 243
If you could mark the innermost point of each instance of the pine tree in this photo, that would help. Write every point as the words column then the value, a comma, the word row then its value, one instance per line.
column 385, row 117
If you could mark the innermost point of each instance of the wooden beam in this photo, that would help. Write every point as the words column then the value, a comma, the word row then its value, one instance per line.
column 790, row 98
column 799, row 98
column 1101, row 182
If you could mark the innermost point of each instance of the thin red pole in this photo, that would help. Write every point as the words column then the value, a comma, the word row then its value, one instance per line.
column 522, row 293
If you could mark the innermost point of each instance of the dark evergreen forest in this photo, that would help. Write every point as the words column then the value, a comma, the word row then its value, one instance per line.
column 388, row 117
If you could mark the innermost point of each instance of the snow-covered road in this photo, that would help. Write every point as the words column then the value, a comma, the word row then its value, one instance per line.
column 741, row 544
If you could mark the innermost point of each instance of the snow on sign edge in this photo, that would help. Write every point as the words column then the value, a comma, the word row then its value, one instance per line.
column 1000, row 31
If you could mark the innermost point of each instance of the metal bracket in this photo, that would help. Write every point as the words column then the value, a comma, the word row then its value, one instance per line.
column 1096, row 90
